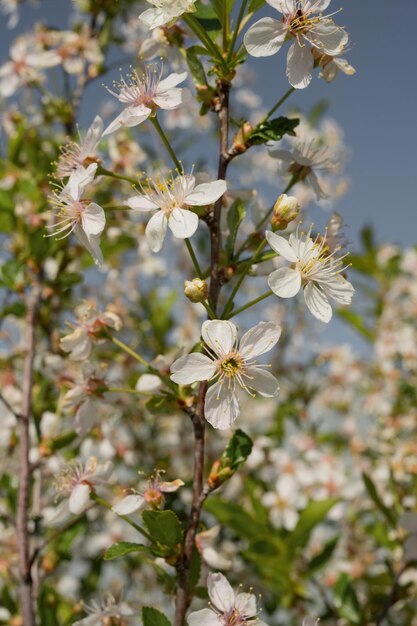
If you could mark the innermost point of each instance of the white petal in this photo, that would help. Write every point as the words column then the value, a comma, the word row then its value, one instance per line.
column 93, row 219
column 206, row 193
column 172, row 486
column 281, row 246
column 204, row 617
column 169, row 100
column 317, row 302
column 155, row 231
column 283, row 155
column 262, row 381
column 183, row 223
column 85, row 417
column 300, row 63
column 245, row 605
column 114, row 125
column 129, row 505
column 259, row 339
column 192, row 368
column 314, row 182
column 317, row 5
column 79, row 499
column 153, row 18
column 340, row 290
column 285, row 282
column 78, row 344
column 141, row 203
column 91, row 243
column 220, row 592
column 79, row 180
column 283, row 6
column 265, row 37
column 148, row 383
column 219, row 335
column 221, row 408
column 132, row 116
column 329, row 37
column 171, row 81
column 93, row 136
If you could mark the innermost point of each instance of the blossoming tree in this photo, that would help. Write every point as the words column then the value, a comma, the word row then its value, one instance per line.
column 148, row 448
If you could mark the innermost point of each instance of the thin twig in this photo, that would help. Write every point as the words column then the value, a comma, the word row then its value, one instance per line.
column 22, row 525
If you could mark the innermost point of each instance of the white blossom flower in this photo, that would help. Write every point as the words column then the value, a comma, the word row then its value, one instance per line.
column 80, row 216
column 142, row 95
column 227, row 608
column 90, row 324
column 304, row 160
column 331, row 66
column 76, row 481
column 84, row 397
column 171, row 199
column 152, row 496
column 285, row 502
column 315, row 269
column 230, row 363
column 11, row 9
column 104, row 612
column 77, row 155
column 303, row 21
column 165, row 11
column 26, row 60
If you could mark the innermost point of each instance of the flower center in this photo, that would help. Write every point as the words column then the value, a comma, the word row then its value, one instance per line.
column 233, row 618
column 231, row 365
column 300, row 22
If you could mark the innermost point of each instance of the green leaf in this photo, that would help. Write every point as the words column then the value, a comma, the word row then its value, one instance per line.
column 376, row 498
column 121, row 548
column 320, row 560
column 207, row 17
column 223, row 9
column 235, row 216
column 164, row 527
column 313, row 514
column 356, row 320
column 235, row 517
column 273, row 130
column 195, row 568
column 196, row 68
column 237, row 450
column 153, row 617
column 346, row 601
column 255, row 5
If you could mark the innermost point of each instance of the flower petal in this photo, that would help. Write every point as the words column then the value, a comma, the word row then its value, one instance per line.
column 300, row 63
column 79, row 180
column 141, row 203
column 91, row 243
column 129, row 505
column 221, row 408
column 171, row 81
column 283, row 6
column 93, row 136
column 339, row 289
column 219, row 335
column 285, row 282
column 220, row 592
column 93, row 219
column 265, row 37
column 259, row 339
column 281, row 246
column 329, row 37
column 155, row 231
column 262, row 381
column 192, row 368
column 317, row 302
column 183, row 223
column 204, row 617
column 245, row 605
column 169, row 100
column 79, row 499
column 206, row 193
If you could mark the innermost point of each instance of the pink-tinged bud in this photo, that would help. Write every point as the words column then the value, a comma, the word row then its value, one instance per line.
column 196, row 290
column 286, row 210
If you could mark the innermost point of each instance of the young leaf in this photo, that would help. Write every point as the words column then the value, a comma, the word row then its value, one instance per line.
column 273, row 130
column 223, row 9
column 153, row 617
column 196, row 68
column 374, row 495
column 255, row 5
column 121, row 548
column 313, row 514
column 237, row 450
column 164, row 527
column 235, row 216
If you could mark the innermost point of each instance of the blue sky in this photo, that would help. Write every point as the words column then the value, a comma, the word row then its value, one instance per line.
column 376, row 107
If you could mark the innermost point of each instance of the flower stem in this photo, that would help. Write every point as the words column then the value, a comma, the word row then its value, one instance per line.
column 250, row 304
column 193, row 258
column 252, row 260
column 166, row 143
column 198, row 30
column 278, row 104
column 108, row 506
column 132, row 353
column 236, row 30
column 101, row 171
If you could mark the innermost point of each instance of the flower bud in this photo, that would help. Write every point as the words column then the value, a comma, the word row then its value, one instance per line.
column 286, row 210
column 241, row 139
column 196, row 290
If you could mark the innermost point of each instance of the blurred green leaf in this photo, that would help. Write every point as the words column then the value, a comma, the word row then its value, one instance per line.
column 164, row 527
column 273, row 130
column 235, row 216
column 312, row 515
column 376, row 498
column 153, row 617
column 121, row 548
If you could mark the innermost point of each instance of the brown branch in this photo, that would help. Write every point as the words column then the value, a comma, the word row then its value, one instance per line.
column 22, row 525
column 184, row 597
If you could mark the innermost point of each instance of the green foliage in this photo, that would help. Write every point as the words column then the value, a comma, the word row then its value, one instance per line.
column 255, row 5
column 235, row 216
column 376, row 498
column 313, row 514
column 346, row 600
column 153, row 617
column 237, row 450
column 223, row 9
column 273, row 130
column 122, row 548
column 165, row 530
